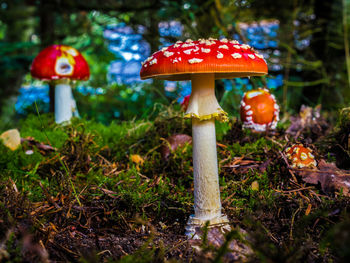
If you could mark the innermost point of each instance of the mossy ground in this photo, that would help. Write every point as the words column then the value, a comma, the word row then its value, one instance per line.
column 87, row 201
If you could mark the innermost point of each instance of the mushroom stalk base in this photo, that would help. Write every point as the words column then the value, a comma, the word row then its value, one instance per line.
column 207, row 204
column 64, row 102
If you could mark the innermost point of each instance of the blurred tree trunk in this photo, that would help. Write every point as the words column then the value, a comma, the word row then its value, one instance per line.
column 328, row 46
column 47, row 37
column 15, row 60
column 152, row 37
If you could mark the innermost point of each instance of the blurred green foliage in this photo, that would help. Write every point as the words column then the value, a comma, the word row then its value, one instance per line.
column 315, row 73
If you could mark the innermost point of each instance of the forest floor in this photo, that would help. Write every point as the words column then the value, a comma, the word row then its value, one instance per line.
column 86, row 192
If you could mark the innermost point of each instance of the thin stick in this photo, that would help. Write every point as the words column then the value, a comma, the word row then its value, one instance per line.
column 346, row 39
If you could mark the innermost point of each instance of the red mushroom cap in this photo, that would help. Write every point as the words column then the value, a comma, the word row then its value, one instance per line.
column 60, row 62
column 300, row 156
column 259, row 110
column 225, row 58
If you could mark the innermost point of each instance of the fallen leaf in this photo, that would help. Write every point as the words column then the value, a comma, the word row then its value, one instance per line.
column 172, row 143
column 308, row 209
column 42, row 147
column 308, row 121
column 137, row 159
column 328, row 175
column 237, row 251
column 11, row 139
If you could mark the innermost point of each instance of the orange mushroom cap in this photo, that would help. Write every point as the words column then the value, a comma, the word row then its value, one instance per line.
column 300, row 156
column 225, row 58
column 259, row 110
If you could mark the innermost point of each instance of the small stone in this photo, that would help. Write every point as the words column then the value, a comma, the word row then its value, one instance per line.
column 11, row 139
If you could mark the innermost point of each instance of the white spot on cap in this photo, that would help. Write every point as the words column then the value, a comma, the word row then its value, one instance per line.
column 259, row 55
column 251, row 56
column 236, row 55
column 243, row 103
column 253, row 94
column 191, row 44
column 249, row 112
column 247, row 107
column 223, row 46
column 209, row 42
column 249, row 118
column 205, row 50
column 311, row 156
column 153, row 61
column 72, row 51
column 195, row 60
column 63, row 67
column 303, row 156
column 219, row 55
column 234, row 42
column 224, row 40
column 188, row 51
column 244, row 46
column 168, row 54
column 189, row 40
column 164, row 49
column 237, row 46
column 175, row 60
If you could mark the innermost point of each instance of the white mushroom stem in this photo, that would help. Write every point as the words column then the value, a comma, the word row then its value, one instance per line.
column 63, row 102
column 207, row 204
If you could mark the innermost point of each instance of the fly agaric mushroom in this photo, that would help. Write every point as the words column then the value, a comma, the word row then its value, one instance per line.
column 61, row 64
column 259, row 110
column 202, row 62
column 300, row 156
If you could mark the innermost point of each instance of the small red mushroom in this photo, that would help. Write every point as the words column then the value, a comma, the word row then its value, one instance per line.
column 61, row 63
column 184, row 103
column 300, row 156
column 259, row 110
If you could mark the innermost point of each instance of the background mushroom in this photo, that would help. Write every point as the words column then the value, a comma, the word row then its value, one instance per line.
column 259, row 110
column 300, row 156
column 202, row 62
column 61, row 64
column 184, row 103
